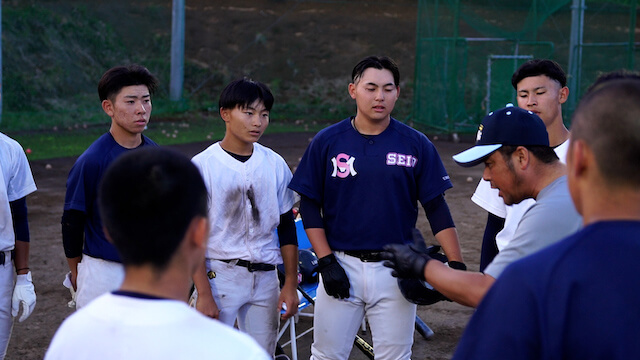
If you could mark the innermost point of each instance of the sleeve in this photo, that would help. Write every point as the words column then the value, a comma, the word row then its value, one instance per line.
column 507, row 323
column 432, row 177
column 488, row 199
column 286, row 196
column 311, row 213
column 287, row 229
column 308, row 179
column 20, row 219
column 438, row 214
column 73, row 222
column 21, row 182
column 82, row 184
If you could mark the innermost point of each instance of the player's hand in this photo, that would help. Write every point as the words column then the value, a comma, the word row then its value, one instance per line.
column 407, row 261
column 68, row 283
column 24, row 295
column 207, row 306
column 334, row 278
column 288, row 300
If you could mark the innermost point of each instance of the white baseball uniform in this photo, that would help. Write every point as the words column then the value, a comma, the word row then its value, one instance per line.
column 488, row 199
column 246, row 200
column 127, row 327
column 16, row 182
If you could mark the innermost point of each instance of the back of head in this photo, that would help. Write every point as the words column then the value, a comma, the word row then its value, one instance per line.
column 376, row 62
column 607, row 119
column 118, row 77
column 148, row 198
column 244, row 92
column 537, row 67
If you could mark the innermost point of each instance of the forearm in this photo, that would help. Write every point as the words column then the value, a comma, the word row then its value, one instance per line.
column 448, row 239
column 290, row 261
column 466, row 288
column 201, row 281
column 21, row 257
column 318, row 239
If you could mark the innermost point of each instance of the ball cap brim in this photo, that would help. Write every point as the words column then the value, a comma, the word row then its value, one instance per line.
column 475, row 155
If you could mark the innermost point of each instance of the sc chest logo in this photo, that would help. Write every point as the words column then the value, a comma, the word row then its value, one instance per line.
column 343, row 164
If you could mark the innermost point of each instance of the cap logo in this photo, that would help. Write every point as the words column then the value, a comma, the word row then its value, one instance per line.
column 479, row 134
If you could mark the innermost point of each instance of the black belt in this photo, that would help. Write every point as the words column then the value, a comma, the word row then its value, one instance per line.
column 366, row 255
column 3, row 256
column 252, row 266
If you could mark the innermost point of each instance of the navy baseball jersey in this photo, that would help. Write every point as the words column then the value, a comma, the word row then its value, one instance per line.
column 82, row 191
column 576, row 299
column 369, row 186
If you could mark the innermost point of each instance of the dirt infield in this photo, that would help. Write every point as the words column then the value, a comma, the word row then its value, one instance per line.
column 48, row 264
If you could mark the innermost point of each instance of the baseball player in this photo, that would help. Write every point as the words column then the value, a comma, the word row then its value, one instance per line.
column 252, row 224
column 94, row 264
column 513, row 144
column 360, row 183
column 578, row 299
column 16, row 291
column 540, row 86
column 154, row 207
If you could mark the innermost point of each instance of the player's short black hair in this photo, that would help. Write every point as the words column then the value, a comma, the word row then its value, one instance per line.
column 114, row 79
column 148, row 198
column 612, row 75
column 537, row 67
column 376, row 62
column 244, row 92
column 607, row 119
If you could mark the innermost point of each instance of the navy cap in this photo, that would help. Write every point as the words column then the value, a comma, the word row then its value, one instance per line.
column 507, row 126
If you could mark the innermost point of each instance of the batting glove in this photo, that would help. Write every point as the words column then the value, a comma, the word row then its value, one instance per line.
column 24, row 294
column 407, row 261
column 334, row 278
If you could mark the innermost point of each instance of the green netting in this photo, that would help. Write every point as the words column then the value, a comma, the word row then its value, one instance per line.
column 466, row 52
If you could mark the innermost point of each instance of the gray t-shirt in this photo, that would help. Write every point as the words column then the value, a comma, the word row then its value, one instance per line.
column 552, row 218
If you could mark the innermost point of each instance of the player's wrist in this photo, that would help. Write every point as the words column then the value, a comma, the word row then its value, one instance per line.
column 23, row 271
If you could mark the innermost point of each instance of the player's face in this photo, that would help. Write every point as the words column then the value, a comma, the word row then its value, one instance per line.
column 245, row 125
column 376, row 94
column 502, row 176
column 130, row 110
column 543, row 96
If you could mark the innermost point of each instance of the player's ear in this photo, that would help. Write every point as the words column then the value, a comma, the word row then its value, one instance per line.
column 225, row 114
column 107, row 106
column 563, row 95
column 577, row 159
column 352, row 90
column 521, row 157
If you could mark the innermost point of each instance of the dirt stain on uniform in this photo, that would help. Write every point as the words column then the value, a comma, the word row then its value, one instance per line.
column 255, row 212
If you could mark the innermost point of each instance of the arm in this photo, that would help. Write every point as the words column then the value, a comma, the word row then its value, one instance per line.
column 24, row 292
column 443, row 228
column 288, row 293
column 73, row 222
column 205, row 302
column 21, row 229
column 466, row 288
column 334, row 278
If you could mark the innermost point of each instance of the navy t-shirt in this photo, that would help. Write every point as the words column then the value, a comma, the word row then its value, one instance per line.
column 82, row 191
column 576, row 299
column 369, row 186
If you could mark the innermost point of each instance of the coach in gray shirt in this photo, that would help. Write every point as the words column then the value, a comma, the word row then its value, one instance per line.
column 513, row 144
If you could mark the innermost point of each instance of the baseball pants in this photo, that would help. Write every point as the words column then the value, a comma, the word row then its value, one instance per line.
column 96, row 277
column 7, row 280
column 250, row 298
column 373, row 292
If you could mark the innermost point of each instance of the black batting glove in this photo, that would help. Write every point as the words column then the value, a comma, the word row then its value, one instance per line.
column 407, row 261
column 457, row 265
column 334, row 278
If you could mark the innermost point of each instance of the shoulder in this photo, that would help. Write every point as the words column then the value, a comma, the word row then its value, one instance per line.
column 333, row 130
column 210, row 151
column 268, row 152
column 408, row 132
column 146, row 141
